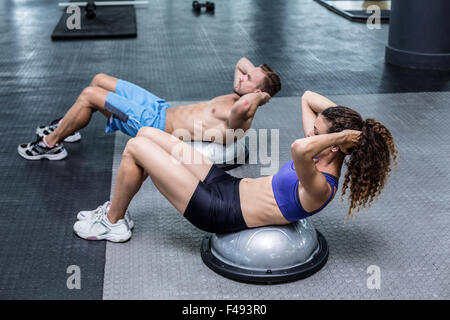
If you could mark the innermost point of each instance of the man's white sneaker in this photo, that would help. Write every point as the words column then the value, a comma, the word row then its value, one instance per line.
column 100, row 228
column 37, row 150
column 89, row 214
column 43, row 131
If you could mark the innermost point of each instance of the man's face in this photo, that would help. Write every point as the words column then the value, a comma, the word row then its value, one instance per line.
column 250, row 82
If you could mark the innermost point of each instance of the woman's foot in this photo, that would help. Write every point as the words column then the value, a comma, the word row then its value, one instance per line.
column 89, row 214
column 98, row 227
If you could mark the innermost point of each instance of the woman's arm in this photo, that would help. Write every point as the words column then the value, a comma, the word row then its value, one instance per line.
column 242, row 67
column 303, row 151
column 312, row 105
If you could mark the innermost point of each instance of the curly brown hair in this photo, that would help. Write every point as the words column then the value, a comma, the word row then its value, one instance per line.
column 370, row 161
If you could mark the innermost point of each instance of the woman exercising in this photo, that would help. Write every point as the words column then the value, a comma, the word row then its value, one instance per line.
column 217, row 202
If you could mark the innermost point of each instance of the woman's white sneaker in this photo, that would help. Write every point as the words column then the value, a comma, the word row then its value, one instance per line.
column 100, row 228
column 89, row 214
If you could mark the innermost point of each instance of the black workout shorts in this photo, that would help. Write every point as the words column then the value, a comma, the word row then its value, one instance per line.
column 215, row 205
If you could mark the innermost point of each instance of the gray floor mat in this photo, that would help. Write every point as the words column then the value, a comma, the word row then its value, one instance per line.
column 405, row 232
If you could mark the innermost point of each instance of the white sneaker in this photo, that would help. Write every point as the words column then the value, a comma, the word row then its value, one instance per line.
column 37, row 150
column 89, row 214
column 100, row 228
column 43, row 131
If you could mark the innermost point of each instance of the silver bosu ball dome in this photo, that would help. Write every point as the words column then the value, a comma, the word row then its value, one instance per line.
column 269, row 254
column 226, row 157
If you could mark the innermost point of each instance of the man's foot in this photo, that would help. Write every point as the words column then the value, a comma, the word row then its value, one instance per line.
column 98, row 227
column 37, row 150
column 86, row 215
column 46, row 130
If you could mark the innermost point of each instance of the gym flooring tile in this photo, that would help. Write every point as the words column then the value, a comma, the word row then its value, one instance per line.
column 39, row 202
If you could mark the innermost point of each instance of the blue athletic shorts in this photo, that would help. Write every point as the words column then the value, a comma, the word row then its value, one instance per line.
column 133, row 108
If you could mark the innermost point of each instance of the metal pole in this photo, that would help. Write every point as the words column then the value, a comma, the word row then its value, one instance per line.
column 419, row 34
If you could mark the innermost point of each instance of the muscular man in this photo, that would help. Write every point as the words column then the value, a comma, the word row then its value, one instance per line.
column 129, row 107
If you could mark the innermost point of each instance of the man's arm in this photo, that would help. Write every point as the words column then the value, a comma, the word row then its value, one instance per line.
column 312, row 105
column 244, row 110
column 242, row 67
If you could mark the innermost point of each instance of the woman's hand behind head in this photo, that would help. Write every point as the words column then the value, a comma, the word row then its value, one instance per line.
column 351, row 140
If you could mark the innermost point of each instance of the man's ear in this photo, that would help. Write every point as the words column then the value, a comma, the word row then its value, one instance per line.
column 257, row 91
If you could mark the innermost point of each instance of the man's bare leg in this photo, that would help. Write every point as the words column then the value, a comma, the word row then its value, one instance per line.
column 90, row 100
column 104, row 81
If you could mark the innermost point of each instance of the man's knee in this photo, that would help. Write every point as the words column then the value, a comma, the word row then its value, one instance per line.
column 87, row 93
column 90, row 95
column 98, row 78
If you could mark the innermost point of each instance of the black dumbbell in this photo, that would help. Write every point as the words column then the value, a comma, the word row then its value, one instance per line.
column 209, row 6
column 196, row 6
column 90, row 10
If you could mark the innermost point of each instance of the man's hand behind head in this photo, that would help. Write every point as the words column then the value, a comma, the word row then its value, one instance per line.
column 265, row 97
column 244, row 65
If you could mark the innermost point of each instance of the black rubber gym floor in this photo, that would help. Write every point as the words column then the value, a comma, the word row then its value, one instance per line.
column 178, row 55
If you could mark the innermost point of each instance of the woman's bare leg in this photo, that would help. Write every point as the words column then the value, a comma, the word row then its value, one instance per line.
column 144, row 157
column 90, row 100
column 194, row 161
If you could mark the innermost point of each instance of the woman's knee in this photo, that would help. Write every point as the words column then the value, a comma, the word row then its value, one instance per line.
column 146, row 132
column 130, row 147
column 134, row 145
column 156, row 135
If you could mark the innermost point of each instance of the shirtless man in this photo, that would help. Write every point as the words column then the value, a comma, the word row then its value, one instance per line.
column 129, row 107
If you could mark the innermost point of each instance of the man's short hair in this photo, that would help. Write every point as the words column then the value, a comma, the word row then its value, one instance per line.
column 271, row 83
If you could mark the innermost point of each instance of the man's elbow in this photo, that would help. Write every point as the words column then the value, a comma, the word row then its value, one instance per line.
column 241, row 107
column 240, row 62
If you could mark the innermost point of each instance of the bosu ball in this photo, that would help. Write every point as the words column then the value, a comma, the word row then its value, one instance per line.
column 267, row 255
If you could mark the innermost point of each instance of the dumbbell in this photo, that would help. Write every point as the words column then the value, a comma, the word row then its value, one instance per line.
column 90, row 10
column 196, row 6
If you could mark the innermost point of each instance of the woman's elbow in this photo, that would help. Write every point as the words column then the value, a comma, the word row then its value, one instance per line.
column 306, row 94
column 299, row 148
